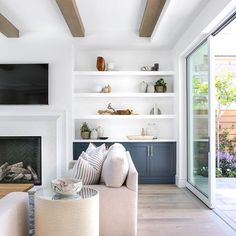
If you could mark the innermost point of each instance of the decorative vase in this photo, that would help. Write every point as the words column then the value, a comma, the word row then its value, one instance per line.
column 94, row 134
column 143, row 87
column 85, row 135
column 101, row 66
column 100, row 131
column 150, row 88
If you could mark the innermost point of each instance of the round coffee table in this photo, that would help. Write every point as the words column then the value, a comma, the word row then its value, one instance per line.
column 67, row 215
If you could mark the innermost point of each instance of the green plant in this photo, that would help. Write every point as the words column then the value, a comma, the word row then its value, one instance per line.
column 230, row 173
column 226, row 143
column 225, row 95
column 219, row 172
column 203, row 171
column 161, row 82
column 84, row 127
column 199, row 87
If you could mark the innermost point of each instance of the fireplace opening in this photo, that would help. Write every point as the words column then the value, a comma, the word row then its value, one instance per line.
column 20, row 160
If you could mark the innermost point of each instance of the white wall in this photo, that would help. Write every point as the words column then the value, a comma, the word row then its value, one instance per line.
column 58, row 53
column 123, row 59
column 213, row 13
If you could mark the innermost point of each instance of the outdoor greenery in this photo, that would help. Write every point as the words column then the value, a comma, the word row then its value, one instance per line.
column 225, row 144
column 225, row 96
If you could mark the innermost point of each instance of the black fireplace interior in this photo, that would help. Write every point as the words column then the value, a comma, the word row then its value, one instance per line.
column 20, row 160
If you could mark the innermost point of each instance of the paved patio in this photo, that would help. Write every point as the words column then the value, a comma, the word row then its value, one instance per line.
column 226, row 199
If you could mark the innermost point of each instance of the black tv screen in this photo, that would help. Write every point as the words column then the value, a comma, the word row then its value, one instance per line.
column 22, row 84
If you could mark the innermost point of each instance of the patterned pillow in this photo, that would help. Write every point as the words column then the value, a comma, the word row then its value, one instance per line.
column 85, row 171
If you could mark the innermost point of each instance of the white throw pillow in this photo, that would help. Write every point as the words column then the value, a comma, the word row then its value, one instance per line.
column 92, row 149
column 115, row 167
column 85, row 171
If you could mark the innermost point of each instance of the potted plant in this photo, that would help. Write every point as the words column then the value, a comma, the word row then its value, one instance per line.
column 160, row 86
column 85, row 131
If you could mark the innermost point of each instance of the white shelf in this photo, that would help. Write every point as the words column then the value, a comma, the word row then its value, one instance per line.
column 124, row 117
column 119, row 73
column 124, row 95
column 122, row 140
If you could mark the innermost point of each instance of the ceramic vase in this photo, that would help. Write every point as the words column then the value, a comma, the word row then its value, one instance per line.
column 100, row 131
column 101, row 66
column 143, row 87
column 94, row 134
column 150, row 88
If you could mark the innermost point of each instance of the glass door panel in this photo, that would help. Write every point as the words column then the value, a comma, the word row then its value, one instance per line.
column 199, row 122
column 197, row 67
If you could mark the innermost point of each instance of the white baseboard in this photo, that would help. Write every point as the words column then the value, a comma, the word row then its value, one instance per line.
column 181, row 183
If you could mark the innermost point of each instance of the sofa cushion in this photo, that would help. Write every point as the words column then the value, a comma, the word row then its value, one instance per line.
column 85, row 171
column 115, row 167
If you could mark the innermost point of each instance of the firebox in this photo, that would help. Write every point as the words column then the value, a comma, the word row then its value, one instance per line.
column 20, row 159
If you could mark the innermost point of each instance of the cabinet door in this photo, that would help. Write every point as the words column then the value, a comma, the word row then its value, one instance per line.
column 139, row 152
column 162, row 162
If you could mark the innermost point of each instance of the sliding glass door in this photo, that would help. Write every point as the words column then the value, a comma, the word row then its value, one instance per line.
column 201, row 123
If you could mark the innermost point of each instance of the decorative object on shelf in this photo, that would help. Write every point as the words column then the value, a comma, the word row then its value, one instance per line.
column 151, row 129
column 97, row 89
column 100, row 131
column 101, row 65
column 94, row 134
column 110, row 66
column 140, row 137
column 143, row 132
column 155, row 110
column 146, row 68
column 150, row 88
column 106, row 89
column 155, row 67
column 85, row 131
column 143, row 87
column 160, row 86
column 111, row 111
column 66, row 186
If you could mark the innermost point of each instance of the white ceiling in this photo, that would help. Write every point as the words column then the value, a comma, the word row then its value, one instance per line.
column 108, row 23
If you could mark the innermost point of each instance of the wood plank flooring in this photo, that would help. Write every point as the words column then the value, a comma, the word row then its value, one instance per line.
column 165, row 210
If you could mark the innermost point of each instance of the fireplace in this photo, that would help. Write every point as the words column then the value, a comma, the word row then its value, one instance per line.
column 20, row 160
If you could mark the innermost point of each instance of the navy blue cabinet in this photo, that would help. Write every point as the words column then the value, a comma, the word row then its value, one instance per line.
column 154, row 161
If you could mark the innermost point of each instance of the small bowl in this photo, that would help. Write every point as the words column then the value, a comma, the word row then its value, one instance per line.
column 66, row 186
column 103, row 138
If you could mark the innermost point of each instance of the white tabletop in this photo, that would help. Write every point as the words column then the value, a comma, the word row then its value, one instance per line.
column 49, row 194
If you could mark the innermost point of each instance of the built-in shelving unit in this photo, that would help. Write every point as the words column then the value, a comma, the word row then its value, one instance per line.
column 119, row 73
column 125, row 95
column 124, row 117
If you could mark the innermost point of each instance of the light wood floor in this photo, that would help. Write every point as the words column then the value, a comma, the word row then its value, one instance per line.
column 165, row 210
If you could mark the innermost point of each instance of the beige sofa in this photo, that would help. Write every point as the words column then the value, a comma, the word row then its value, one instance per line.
column 14, row 214
column 118, row 206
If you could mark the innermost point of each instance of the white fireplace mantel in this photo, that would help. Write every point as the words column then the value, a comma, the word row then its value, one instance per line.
column 41, row 115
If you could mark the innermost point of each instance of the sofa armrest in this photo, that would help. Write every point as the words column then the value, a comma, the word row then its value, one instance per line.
column 14, row 214
column 132, row 178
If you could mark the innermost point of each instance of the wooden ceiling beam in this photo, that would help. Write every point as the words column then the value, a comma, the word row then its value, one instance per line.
column 72, row 17
column 151, row 15
column 7, row 28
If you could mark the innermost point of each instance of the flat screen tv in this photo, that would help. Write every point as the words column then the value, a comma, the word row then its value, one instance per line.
column 23, row 84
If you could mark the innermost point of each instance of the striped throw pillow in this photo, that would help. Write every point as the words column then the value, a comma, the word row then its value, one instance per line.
column 96, row 160
column 85, row 171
